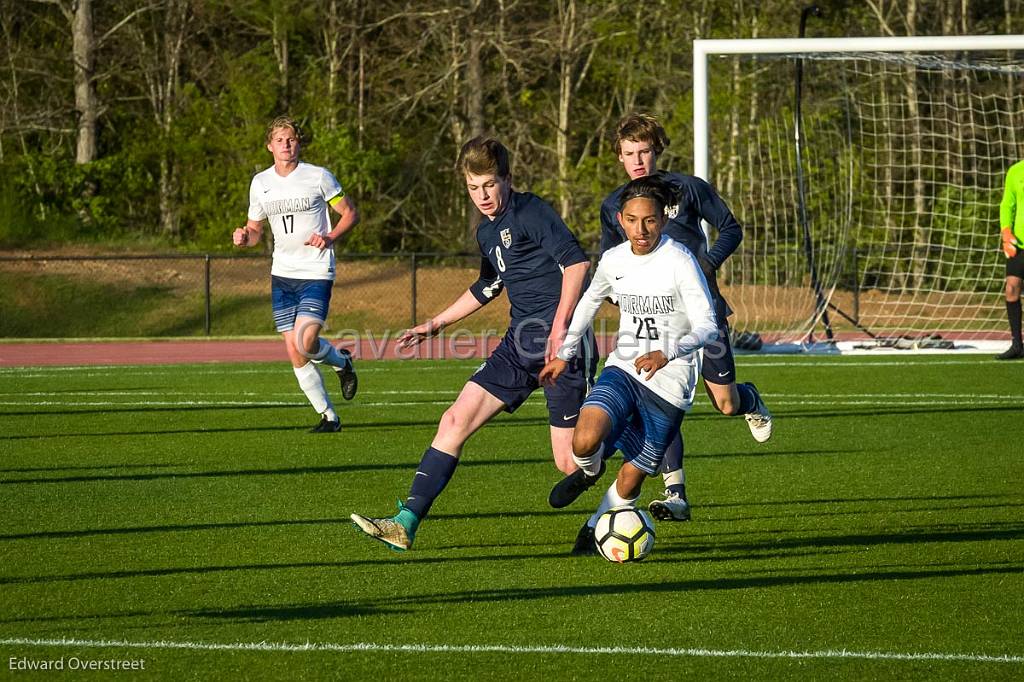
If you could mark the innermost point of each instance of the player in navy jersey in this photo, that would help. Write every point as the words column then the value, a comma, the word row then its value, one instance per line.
column 639, row 141
column 527, row 250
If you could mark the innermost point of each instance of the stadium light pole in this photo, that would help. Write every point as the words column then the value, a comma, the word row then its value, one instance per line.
column 821, row 306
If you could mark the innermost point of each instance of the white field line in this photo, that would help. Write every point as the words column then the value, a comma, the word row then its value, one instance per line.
column 510, row 649
column 455, row 364
column 455, row 391
column 445, row 398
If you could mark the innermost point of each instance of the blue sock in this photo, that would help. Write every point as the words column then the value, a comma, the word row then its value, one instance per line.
column 432, row 475
column 748, row 398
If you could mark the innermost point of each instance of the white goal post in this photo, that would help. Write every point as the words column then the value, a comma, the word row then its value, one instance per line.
column 916, row 114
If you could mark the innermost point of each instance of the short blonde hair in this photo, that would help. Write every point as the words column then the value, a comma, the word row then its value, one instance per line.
column 284, row 122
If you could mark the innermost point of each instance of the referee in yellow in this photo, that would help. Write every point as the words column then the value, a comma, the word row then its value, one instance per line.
column 1011, row 218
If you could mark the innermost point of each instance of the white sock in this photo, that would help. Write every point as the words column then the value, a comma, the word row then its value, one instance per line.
column 326, row 352
column 677, row 477
column 592, row 464
column 312, row 384
column 611, row 499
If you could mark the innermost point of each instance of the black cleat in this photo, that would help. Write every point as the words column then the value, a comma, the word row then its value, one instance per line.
column 585, row 545
column 326, row 426
column 572, row 486
column 347, row 376
column 1014, row 352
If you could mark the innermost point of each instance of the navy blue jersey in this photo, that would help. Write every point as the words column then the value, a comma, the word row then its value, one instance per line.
column 699, row 200
column 524, row 250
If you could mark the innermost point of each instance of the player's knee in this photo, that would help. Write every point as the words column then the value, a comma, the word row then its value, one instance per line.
column 585, row 443
column 453, row 423
column 1012, row 291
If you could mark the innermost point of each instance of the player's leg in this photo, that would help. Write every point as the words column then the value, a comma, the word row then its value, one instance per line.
column 1014, row 275
column 285, row 297
column 718, row 369
column 472, row 409
column 500, row 384
column 314, row 302
column 674, row 506
column 564, row 401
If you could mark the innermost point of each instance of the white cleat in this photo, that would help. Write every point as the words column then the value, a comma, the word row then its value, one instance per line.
column 672, row 508
column 760, row 420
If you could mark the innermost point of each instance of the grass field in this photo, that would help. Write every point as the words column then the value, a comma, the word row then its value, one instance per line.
column 182, row 516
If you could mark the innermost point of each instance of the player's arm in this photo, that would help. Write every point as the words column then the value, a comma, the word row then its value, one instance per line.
column 582, row 318
column 487, row 287
column 249, row 234
column 1007, row 215
column 711, row 207
column 548, row 230
column 693, row 290
column 572, row 284
column 348, row 216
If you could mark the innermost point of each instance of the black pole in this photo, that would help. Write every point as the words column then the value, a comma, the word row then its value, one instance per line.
column 208, row 311
column 822, row 306
column 412, row 286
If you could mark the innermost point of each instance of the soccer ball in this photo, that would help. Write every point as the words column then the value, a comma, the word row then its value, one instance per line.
column 624, row 534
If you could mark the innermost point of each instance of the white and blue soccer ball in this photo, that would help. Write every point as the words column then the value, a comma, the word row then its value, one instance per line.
column 624, row 534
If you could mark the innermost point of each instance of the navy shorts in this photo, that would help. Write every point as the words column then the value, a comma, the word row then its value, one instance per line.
column 292, row 298
column 643, row 423
column 1015, row 265
column 510, row 374
column 719, row 365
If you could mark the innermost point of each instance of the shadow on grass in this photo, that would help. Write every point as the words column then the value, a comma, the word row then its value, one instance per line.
column 688, row 550
column 283, row 471
column 419, row 603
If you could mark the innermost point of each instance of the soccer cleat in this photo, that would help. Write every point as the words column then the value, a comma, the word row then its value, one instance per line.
column 347, row 376
column 760, row 420
column 397, row 532
column 572, row 486
column 673, row 508
column 585, row 544
column 326, row 426
column 1014, row 352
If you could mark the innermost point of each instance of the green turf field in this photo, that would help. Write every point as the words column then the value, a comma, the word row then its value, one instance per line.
column 182, row 516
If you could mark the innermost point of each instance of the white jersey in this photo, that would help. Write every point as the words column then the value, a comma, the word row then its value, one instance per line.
column 664, row 304
column 296, row 207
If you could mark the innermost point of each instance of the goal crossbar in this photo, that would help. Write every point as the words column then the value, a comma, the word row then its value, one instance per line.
column 702, row 49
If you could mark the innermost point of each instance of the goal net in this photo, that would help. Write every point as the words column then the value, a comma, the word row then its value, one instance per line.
column 881, row 218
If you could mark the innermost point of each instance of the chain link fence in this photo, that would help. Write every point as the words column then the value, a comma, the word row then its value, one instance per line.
column 223, row 295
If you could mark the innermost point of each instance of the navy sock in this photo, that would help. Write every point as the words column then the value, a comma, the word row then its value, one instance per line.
column 674, row 454
column 678, row 488
column 1013, row 313
column 748, row 398
column 432, row 475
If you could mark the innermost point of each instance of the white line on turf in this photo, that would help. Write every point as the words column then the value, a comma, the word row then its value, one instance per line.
column 511, row 649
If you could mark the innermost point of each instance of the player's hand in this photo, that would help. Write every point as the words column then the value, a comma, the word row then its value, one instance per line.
column 552, row 371
column 555, row 340
column 650, row 363
column 418, row 334
column 319, row 241
column 240, row 237
column 1009, row 247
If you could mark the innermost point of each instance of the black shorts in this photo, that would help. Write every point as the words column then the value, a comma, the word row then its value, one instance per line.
column 1015, row 265
column 719, row 366
column 510, row 375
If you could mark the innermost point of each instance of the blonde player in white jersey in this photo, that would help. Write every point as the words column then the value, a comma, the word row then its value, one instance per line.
column 293, row 197
column 647, row 385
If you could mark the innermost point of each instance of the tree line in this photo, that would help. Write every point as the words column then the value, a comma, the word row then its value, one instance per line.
column 143, row 120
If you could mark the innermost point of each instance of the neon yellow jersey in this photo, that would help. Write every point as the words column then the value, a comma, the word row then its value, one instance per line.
column 1011, row 209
